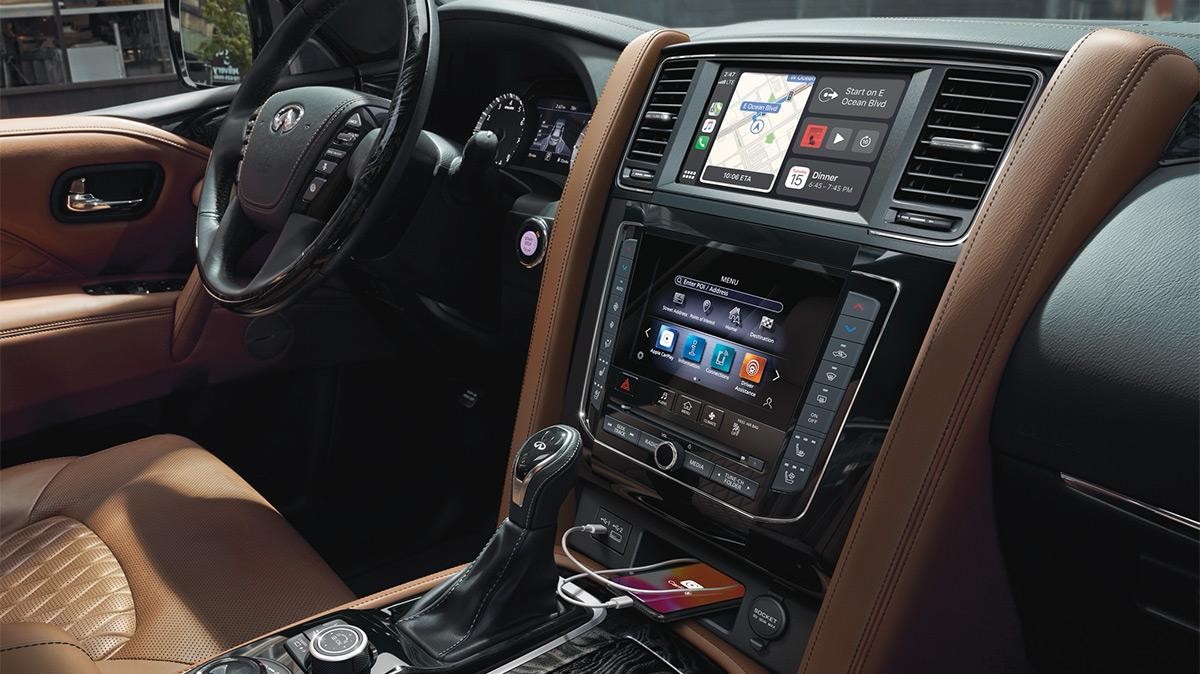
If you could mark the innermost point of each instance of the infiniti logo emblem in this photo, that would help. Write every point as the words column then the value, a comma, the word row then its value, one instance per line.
column 287, row 118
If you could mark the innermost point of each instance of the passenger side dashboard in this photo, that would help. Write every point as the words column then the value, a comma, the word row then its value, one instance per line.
column 658, row 471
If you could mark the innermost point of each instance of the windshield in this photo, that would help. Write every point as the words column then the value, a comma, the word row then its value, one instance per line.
column 684, row 13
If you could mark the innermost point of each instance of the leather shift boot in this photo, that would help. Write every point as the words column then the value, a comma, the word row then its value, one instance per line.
column 509, row 587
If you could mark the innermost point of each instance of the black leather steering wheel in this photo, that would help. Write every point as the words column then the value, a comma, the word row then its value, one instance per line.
column 303, row 167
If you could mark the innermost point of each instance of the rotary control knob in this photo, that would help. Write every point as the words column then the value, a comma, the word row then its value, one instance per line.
column 340, row 649
column 666, row 455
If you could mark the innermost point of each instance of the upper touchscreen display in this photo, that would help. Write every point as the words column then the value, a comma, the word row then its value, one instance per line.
column 802, row 136
column 748, row 148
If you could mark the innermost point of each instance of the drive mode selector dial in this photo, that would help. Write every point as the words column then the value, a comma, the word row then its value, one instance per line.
column 666, row 455
column 340, row 649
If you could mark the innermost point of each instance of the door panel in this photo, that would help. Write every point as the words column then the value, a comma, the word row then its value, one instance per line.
column 37, row 247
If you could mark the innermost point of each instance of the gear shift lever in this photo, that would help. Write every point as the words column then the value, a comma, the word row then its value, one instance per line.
column 543, row 475
column 511, row 586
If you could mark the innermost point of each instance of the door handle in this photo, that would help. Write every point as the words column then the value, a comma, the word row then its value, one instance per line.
column 79, row 200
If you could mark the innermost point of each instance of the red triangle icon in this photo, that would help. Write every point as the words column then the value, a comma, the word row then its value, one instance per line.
column 626, row 385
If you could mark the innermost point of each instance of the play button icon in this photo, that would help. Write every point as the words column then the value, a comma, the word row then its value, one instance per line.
column 839, row 138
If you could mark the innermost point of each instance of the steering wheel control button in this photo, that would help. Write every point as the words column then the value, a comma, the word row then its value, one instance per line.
column 532, row 238
column 346, row 138
column 340, row 649
column 698, row 464
column 666, row 455
column 313, row 189
column 354, row 121
column 618, row 531
column 767, row 617
column 325, row 167
column 334, row 153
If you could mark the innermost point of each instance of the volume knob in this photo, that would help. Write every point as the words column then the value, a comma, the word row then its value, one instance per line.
column 340, row 649
column 666, row 455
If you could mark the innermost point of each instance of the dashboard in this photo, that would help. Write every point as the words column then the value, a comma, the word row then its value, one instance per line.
column 783, row 217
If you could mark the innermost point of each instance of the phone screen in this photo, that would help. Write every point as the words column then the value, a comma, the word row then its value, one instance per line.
column 690, row 576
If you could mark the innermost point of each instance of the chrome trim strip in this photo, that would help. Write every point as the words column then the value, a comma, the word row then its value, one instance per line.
column 1039, row 82
column 651, row 652
column 598, row 615
column 1129, row 504
column 849, row 405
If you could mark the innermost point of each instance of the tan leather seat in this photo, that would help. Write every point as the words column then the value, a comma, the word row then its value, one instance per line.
column 147, row 557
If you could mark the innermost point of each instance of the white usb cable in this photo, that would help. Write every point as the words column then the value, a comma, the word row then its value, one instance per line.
column 622, row 600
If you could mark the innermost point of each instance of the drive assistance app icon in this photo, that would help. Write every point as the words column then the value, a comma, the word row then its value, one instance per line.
column 752, row 368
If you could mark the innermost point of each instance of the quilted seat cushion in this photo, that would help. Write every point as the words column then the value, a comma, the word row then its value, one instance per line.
column 58, row 571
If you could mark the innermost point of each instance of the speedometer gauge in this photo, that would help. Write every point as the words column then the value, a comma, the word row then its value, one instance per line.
column 505, row 117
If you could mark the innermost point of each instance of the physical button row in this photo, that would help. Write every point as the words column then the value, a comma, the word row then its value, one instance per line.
column 692, row 409
column 689, row 461
column 337, row 150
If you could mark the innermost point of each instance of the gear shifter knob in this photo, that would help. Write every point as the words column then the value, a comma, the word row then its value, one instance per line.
column 543, row 475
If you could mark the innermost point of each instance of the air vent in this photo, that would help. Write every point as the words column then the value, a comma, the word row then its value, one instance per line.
column 973, row 118
column 662, row 111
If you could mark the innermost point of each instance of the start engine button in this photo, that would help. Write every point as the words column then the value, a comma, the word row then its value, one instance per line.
column 531, row 241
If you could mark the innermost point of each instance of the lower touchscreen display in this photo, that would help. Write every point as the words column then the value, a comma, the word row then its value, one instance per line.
column 731, row 340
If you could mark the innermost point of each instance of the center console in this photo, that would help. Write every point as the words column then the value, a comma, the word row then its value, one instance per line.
column 774, row 246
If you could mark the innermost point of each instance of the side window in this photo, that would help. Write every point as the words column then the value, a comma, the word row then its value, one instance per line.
column 68, row 55
column 217, row 47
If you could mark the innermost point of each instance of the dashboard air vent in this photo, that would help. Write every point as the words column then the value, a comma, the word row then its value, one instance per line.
column 654, row 129
column 973, row 118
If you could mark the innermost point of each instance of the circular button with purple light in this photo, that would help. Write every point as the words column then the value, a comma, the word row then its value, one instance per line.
column 531, row 241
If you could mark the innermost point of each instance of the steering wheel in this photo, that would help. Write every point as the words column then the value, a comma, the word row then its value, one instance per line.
column 307, row 169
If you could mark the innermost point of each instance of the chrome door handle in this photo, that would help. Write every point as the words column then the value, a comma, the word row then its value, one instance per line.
column 79, row 200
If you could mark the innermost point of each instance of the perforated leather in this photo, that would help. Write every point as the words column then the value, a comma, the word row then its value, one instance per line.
column 210, row 564
column 58, row 571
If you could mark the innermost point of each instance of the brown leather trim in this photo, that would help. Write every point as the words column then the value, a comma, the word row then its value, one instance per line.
column 38, row 248
column 67, row 124
column 573, row 237
column 23, row 486
column 208, row 561
column 920, row 585
column 37, row 648
column 191, row 315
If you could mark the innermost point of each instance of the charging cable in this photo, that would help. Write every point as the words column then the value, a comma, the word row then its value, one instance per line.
column 622, row 600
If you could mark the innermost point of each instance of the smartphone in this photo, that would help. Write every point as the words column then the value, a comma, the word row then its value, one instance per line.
column 669, row 607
